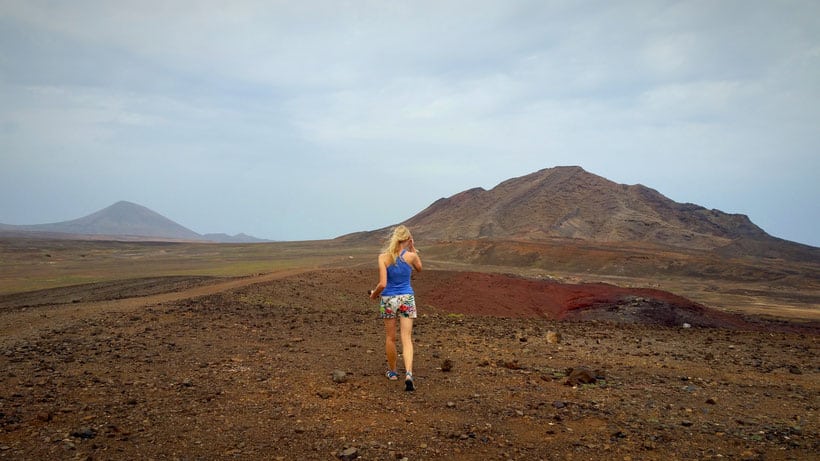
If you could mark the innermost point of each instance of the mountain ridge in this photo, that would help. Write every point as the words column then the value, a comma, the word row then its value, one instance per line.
column 569, row 202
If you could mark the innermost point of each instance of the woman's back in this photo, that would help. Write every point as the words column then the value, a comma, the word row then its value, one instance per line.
column 398, row 278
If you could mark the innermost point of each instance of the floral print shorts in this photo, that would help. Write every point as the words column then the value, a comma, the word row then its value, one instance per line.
column 397, row 306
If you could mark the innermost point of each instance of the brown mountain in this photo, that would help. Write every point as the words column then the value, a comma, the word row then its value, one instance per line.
column 569, row 202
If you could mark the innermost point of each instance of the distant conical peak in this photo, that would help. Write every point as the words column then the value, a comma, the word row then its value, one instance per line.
column 126, row 220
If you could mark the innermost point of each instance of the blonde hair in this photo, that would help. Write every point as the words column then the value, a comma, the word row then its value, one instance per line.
column 400, row 235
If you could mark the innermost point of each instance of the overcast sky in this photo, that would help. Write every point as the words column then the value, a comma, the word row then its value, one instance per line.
column 294, row 120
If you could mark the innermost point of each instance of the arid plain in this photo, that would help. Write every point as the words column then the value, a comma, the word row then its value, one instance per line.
column 214, row 351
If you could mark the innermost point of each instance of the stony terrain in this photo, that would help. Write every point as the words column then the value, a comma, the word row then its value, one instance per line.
column 292, row 367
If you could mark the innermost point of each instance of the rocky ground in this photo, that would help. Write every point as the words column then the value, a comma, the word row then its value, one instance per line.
column 293, row 368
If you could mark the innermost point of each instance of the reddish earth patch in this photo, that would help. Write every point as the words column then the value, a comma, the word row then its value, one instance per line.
column 498, row 295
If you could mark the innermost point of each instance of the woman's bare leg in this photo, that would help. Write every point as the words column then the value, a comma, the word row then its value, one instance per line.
column 406, row 327
column 390, row 343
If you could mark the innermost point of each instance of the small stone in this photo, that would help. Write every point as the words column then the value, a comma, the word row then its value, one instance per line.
column 84, row 433
column 553, row 337
column 326, row 393
column 510, row 364
column 686, row 423
column 748, row 455
column 348, row 454
column 711, row 401
column 619, row 435
column 580, row 375
column 339, row 376
column 795, row 370
column 451, row 404
column 447, row 365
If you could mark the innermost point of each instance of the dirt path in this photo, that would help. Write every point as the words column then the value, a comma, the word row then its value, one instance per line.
column 23, row 323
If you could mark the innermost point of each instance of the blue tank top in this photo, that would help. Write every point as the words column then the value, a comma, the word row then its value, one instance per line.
column 398, row 278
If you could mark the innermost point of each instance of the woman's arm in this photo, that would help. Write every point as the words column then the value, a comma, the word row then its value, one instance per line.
column 413, row 258
column 382, row 278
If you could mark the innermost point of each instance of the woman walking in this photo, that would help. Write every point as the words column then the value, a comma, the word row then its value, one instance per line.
column 396, row 265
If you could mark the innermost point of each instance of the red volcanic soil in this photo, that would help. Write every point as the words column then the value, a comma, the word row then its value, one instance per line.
column 497, row 295
column 510, row 296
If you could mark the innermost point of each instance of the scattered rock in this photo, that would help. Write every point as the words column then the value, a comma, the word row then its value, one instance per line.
column 709, row 356
column 348, row 454
column 84, row 433
column 582, row 375
column 619, row 435
column 326, row 393
column 748, row 455
column 553, row 337
column 509, row 364
column 447, row 365
column 339, row 376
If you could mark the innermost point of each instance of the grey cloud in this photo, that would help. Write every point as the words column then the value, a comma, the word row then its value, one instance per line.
column 281, row 99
